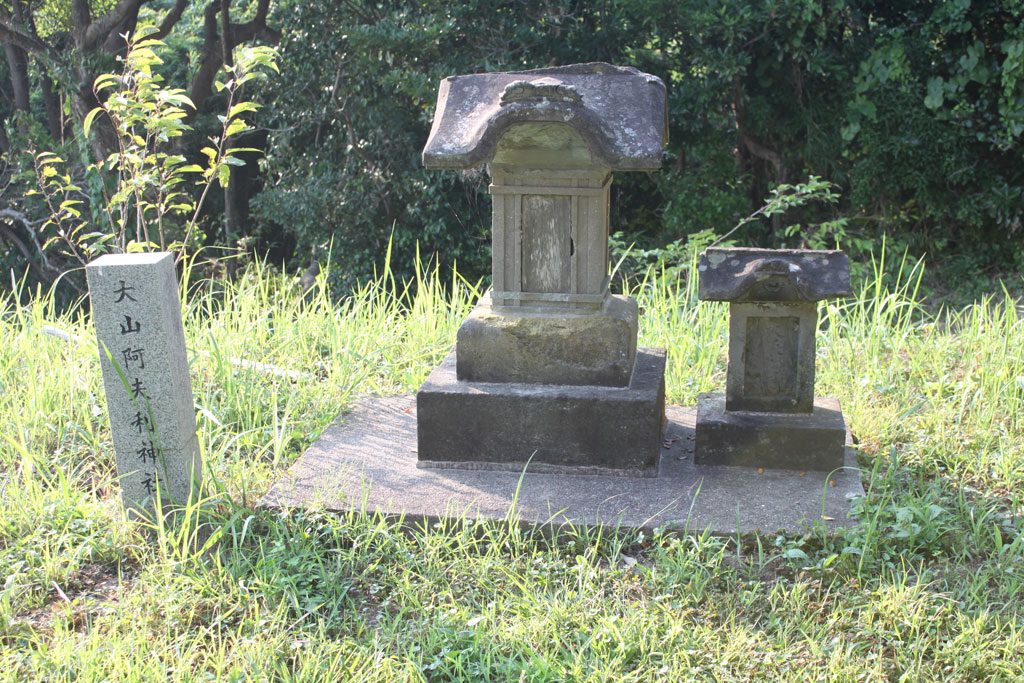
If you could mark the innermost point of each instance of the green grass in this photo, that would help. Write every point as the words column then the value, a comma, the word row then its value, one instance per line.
column 926, row 585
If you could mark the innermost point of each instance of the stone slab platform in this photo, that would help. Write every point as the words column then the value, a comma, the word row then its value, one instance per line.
column 490, row 425
column 367, row 458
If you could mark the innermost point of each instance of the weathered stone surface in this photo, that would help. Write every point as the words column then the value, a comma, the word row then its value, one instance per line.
column 542, row 146
column 547, row 244
column 591, row 428
column 742, row 274
column 809, row 441
column 367, row 460
column 137, row 314
column 541, row 347
column 771, row 357
column 550, row 372
column 618, row 111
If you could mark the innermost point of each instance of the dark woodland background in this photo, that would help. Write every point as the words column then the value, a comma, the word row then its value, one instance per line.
column 914, row 110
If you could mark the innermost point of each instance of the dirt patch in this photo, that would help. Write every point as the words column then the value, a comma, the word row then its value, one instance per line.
column 87, row 593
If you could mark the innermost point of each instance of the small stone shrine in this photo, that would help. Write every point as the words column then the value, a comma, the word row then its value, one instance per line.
column 137, row 315
column 546, row 367
column 547, row 412
column 769, row 416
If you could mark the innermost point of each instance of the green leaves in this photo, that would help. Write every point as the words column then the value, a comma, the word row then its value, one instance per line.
column 223, row 174
column 235, row 127
column 935, row 96
column 250, row 63
column 65, row 224
column 87, row 123
column 241, row 108
column 147, row 116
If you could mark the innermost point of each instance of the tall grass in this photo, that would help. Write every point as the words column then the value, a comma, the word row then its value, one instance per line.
column 927, row 583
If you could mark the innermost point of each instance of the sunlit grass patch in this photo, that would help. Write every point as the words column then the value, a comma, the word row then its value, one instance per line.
column 927, row 584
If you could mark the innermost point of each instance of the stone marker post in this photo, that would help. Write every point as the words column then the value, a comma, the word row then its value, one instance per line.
column 769, row 416
column 137, row 314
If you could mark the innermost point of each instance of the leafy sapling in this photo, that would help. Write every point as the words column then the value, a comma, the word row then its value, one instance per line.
column 149, row 204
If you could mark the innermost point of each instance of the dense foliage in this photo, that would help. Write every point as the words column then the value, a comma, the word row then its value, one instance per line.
column 915, row 110
column 98, row 128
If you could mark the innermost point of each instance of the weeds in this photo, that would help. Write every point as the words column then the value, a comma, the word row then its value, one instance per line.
column 926, row 584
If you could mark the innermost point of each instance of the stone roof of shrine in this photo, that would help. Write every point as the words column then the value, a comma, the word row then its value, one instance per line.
column 619, row 112
column 744, row 274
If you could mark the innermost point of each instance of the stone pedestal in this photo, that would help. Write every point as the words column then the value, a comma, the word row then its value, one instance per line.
column 584, row 429
column 545, row 346
column 814, row 440
column 769, row 416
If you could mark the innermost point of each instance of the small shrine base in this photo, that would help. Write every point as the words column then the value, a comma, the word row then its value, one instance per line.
column 549, row 345
column 367, row 460
column 798, row 441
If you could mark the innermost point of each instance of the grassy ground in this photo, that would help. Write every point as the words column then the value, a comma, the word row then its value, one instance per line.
column 928, row 584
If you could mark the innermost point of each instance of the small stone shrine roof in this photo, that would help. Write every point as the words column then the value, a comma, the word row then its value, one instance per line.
column 741, row 274
column 619, row 112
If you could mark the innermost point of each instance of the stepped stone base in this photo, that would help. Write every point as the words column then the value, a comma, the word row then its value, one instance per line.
column 593, row 429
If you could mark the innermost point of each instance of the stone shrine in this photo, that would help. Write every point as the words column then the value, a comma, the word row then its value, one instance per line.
column 547, row 413
column 546, row 366
column 769, row 416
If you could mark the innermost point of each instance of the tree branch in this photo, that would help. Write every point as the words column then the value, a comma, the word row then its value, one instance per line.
column 171, row 18
column 765, row 154
column 256, row 28
column 17, row 64
column 81, row 17
column 7, row 234
column 212, row 57
column 115, row 42
column 98, row 31
column 10, row 34
column 202, row 81
column 13, row 216
column 250, row 30
column 227, row 44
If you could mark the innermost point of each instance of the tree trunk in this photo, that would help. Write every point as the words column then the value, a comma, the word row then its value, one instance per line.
column 54, row 121
column 17, row 63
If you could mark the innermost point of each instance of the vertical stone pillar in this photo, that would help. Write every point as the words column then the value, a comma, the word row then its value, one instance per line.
column 137, row 314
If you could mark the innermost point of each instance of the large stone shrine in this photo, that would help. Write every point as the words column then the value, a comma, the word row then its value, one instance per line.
column 546, row 409
column 546, row 367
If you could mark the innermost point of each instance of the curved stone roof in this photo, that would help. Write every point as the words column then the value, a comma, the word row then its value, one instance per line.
column 746, row 274
column 618, row 111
